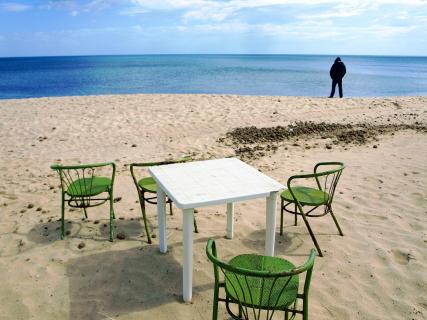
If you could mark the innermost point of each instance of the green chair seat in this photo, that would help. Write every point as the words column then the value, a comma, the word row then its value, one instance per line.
column 148, row 184
column 264, row 292
column 306, row 196
column 88, row 187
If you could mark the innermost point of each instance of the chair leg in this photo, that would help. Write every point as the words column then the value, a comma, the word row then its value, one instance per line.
column 144, row 216
column 215, row 303
column 111, row 216
column 62, row 216
column 84, row 209
column 170, row 208
column 336, row 221
column 195, row 225
column 304, row 218
column 296, row 215
column 112, row 199
column 282, row 201
column 305, row 309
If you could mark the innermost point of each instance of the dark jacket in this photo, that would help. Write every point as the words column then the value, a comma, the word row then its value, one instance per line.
column 338, row 70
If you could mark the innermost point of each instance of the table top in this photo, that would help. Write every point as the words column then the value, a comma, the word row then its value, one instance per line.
column 204, row 183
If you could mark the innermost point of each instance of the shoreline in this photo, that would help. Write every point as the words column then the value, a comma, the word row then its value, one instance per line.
column 217, row 95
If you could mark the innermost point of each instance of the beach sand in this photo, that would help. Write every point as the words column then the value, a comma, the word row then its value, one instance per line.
column 376, row 271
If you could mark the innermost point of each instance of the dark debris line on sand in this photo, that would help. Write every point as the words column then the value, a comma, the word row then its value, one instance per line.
column 252, row 142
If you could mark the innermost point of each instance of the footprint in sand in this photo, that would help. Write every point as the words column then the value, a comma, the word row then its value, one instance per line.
column 402, row 256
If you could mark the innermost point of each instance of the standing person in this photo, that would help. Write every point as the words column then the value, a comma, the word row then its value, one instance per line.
column 337, row 72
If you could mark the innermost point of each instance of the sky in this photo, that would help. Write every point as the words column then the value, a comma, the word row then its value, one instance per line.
column 92, row 27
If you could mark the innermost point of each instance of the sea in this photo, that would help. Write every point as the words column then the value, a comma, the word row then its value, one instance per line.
column 279, row 75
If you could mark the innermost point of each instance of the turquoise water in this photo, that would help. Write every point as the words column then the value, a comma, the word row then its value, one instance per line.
column 295, row 75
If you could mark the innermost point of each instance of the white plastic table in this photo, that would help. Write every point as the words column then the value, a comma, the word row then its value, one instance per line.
column 204, row 183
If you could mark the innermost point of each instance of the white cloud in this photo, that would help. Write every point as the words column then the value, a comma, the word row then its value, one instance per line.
column 213, row 16
column 209, row 13
column 223, row 16
column 215, row 10
column 132, row 11
column 76, row 7
column 387, row 31
column 137, row 28
column 341, row 11
column 221, row 11
column 14, row 7
column 402, row 15
column 304, row 29
column 244, row 4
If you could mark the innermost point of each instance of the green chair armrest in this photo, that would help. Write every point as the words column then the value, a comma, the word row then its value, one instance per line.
column 308, row 264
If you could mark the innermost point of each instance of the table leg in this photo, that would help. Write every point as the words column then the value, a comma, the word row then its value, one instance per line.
column 161, row 218
column 270, row 228
column 230, row 220
column 187, row 270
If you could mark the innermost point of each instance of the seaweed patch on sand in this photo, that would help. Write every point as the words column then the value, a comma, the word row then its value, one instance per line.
column 252, row 142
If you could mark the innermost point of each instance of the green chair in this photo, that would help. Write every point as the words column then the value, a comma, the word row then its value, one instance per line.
column 147, row 189
column 259, row 286
column 82, row 188
column 322, row 196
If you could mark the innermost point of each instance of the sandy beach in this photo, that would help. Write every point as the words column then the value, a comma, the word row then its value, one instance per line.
column 376, row 271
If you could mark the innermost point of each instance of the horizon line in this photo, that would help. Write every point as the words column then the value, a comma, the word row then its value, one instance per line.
column 214, row 54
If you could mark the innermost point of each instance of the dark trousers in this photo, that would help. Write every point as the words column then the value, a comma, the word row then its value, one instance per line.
column 334, row 84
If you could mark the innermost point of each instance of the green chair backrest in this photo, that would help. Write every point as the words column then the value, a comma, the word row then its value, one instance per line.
column 78, row 179
column 326, row 180
column 270, row 283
